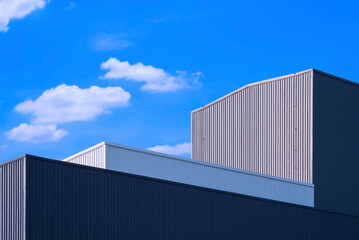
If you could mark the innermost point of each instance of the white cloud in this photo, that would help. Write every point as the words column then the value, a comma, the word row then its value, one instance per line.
column 61, row 105
column 71, row 6
column 36, row 133
column 155, row 79
column 71, row 103
column 179, row 149
column 17, row 9
column 106, row 42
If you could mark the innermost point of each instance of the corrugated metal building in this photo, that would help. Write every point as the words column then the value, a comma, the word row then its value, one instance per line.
column 12, row 199
column 302, row 126
column 278, row 141
column 177, row 169
column 263, row 127
column 70, row 201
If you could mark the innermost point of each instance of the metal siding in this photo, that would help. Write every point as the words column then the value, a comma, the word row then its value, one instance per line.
column 12, row 200
column 263, row 127
column 165, row 167
column 93, row 158
column 68, row 201
column 336, row 144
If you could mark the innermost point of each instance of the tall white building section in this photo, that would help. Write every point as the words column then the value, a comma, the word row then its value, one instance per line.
column 264, row 127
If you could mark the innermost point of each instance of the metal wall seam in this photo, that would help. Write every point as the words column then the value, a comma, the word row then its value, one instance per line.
column 267, row 136
column 108, row 204
column 12, row 200
column 94, row 158
column 205, row 175
column 166, row 167
column 336, row 143
column 311, row 137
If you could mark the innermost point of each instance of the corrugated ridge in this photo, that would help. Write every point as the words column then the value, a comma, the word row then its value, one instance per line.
column 264, row 128
column 12, row 200
column 94, row 156
column 259, row 83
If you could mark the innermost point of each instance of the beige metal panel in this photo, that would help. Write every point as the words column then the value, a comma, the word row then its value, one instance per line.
column 94, row 156
column 12, row 200
column 264, row 127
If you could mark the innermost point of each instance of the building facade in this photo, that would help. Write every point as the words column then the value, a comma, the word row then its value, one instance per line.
column 142, row 162
column 277, row 159
column 263, row 127
column 44, row 199
column 302, row 126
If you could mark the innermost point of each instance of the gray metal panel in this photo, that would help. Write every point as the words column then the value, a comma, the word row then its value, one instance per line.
column 167, row 167
column 94, row 157
column 336, row 144
column 70, row 201
column 12, row 200
column 264, row 127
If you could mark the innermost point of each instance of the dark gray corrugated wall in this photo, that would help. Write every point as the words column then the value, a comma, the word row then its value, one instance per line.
column 68, row 201
column 336, row 144
column 264, row 127
column 12, row 200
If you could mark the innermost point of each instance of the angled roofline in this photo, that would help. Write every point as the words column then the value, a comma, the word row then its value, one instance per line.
column 34, row 157
column 276, row 79
column 251, row 85
column 336, row 77
column 13, row 160
column 84, row 151
column 196, row 162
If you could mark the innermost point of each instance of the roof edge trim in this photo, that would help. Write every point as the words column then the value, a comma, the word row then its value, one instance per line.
column 85, row 151
column 13, row 160
column 251, row 85
column 336, row 77
column 116, row 145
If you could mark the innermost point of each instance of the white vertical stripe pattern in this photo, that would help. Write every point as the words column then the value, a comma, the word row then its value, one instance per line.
column 264, row 127
column 181, row 170
column 12, row 200
column 94, row 158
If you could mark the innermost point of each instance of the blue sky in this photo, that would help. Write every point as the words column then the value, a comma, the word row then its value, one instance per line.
column 75, row 73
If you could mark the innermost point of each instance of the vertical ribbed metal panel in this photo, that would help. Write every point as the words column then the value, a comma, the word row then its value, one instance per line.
column 264, row 127
column 177, row 169
column 93, row 158
column 70, row 201
column 12, row 200
column 336, row 144
column 162, row 166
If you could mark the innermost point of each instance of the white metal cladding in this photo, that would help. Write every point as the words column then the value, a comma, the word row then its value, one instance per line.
column 94, row 157
column 265, row 127
column 166, row 167
column 12, row 200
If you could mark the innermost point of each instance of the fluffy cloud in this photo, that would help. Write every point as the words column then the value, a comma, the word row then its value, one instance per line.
column 61, row 105
column 71, row 103
column 17, row 9
column 36, row 133
column 179, row 149
column 155, row 79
